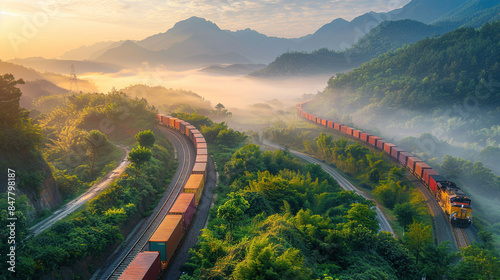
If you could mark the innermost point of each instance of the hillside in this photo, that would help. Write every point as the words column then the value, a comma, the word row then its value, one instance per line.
column 446, row 83
column 473, row 13
column 387, row 36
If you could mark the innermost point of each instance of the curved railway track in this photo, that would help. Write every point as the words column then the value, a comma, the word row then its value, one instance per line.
column 185, row 154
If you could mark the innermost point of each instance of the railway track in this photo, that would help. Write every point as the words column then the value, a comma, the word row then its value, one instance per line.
column 185, row 155
column 461, row 237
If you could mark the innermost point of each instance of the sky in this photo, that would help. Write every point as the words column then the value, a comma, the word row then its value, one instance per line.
column 48, row 28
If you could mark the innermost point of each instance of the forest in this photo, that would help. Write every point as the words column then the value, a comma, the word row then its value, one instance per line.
column 276, row 218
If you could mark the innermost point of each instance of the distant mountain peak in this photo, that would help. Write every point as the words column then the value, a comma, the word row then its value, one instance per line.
column 195, row 23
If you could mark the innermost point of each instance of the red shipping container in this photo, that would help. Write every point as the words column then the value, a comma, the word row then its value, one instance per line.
column 433, row 180
column 411, row 163
column 159, row 117
column 420, row 167
column 356, row 133
column 388, row 147
column 319, row 120
column 323, row 122
column 338, row 126
column 329, row 124
column 171, row 121
column 145, row 266
column 403, row 156
column 348, row 130
column 184, row 205
column 427, row 173
column 380, row 144
column 364, row 136
column 373, row 140
column 396, row 151
column 177, row 123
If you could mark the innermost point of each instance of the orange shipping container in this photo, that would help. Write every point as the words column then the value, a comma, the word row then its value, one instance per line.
column 420, row 167
column 145, row 266
column 195, row 185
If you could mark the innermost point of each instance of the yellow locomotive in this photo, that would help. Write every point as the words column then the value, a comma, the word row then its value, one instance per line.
column 454, row 203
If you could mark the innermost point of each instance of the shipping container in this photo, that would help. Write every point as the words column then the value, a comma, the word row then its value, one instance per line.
column 356, row 133
column 373, row 140
column 349, row 130
column 433, row 180
column 195, row 185
column 184, row 205
column 158, row 116
column 201, row 151
column 427, row 174
column 171, row 121
column 403, row 156
column 200, row 145
column 323, row 122
column 200, row 139
column 396, row 151
column 380, row 144
column 420, row 167
column 166, row 237
column 410, row 163
column 199, row 168
column 364, row 136
column 178, row 124
column 145, row 266
column 201, row 158
column 388, row 147
column 182, row 127
column 338, row 126
column 188, row 130
column 329, row 124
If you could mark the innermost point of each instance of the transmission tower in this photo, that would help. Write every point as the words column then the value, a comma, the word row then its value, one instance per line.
column 73, row 80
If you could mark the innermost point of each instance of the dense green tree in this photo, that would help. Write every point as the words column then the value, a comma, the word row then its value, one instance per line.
column 139, row 156
column 361, row 214
column 406, row 214
column 437, row 262
column 96, row 142
column 264, row 262
column 233, row 210
column 145, row 138
column 477, row 264
column 9, row 100
column 417, row 237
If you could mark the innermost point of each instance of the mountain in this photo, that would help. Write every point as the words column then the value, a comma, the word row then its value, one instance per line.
column 388, row 36
column 130, row 54
column 88, row 52
column 64, row 66
column 473, row 13
column 458, row 69
column 340, row 34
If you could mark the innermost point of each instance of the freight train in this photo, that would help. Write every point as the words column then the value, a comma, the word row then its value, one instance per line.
column 451, row 198
column 164, row 241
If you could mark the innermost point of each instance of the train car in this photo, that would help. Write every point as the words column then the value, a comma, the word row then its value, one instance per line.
column 410, row 163
column 388, row 148
column 363, row 136
column 201, row 145
column 372, row 140
column 403, row 157
column 188, row 130
column 201, row 151
column 396, row 151
column 323, row 122
column 145, row 266
column 419, row 169
column 171, row 121
column 185, row 206
column 182, row 127
column 349, row 130
column 356, row 133
column 329, row 124
column 195, row 184
column 201, row 158
column 380, row 144
column 167, row 237
column 427, row 176
column 433, row 180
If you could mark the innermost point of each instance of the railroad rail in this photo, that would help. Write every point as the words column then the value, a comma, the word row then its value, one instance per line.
column 461, row 237
column 142, row 241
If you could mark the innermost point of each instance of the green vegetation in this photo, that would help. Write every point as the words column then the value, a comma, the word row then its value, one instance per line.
column 90, row 232
column 294, row 222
